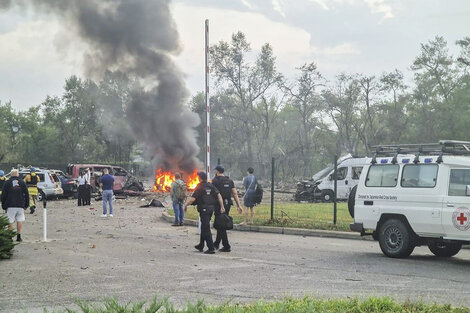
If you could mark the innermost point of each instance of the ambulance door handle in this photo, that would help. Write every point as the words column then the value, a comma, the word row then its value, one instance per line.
column 450, row 205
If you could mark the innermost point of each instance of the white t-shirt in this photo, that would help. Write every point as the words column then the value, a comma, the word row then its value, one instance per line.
column 87, row 177
column 81, row 180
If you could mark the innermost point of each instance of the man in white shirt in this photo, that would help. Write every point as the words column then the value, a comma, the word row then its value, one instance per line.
column 81, row 189
column 87, row 197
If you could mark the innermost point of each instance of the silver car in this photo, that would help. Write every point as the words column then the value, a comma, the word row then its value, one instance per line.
column 49, row 184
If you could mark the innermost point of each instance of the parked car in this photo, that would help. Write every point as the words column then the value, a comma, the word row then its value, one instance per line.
column 123, row 180
column 49, row 185
column 69, row 185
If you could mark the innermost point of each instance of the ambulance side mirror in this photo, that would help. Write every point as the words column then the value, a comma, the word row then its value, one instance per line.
column 467, row 191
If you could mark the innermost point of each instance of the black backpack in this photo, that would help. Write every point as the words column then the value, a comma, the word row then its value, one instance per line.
column 258, row 193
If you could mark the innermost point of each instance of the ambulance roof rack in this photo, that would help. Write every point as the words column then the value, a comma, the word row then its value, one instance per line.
column 443, row 147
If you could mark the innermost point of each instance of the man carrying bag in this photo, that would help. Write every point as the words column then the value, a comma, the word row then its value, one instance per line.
column 207, row 198
column 223, row 221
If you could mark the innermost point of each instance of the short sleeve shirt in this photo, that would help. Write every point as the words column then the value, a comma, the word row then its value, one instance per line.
column 250, row 183
column 107, row 181
column 219, row 183
column 205, row 193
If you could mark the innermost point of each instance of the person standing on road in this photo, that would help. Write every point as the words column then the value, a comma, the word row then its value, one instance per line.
column 81, row 189
column 87, row 189
column 206, row 197
column 249, row 198
column 178, row 196
column 106, row 184
column 15, row 199
column 227, row 189
column 32, row 180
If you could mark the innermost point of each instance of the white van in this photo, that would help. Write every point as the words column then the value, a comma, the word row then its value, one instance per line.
column 348, row 172
column 405, row 200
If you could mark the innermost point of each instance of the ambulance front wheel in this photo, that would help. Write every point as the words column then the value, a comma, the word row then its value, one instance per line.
column 444, row 249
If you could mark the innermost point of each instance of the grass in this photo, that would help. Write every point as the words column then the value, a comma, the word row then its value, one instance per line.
column 295, row 215
column 304, row 305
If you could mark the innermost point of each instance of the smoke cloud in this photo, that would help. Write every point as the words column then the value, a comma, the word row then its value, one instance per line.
column 136, row 38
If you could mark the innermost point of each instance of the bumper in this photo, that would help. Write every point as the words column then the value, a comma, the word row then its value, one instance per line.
column 357, row 227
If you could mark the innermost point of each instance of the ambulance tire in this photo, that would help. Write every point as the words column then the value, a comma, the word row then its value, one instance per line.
column 444, row 249
column 396, row 239
column 327, row 195
column 352, row 201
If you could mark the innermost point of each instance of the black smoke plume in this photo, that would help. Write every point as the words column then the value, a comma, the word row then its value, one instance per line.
column 136, row 38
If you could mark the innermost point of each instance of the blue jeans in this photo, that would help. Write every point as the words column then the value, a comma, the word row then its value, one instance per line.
column 178, row 207
column 108, row 197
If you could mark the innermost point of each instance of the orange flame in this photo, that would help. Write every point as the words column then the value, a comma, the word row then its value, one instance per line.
column 164, row 179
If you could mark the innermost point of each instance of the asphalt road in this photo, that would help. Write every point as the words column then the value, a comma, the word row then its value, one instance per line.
column 136, row 255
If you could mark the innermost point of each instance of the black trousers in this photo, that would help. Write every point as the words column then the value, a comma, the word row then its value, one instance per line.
column 206, row 235
column 81, row 195
column 87, row 196
column 222, row 233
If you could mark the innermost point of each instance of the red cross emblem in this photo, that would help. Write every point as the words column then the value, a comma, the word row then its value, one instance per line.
column 461, row 218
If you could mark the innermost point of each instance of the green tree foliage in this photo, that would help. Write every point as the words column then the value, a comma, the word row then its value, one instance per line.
column 303, row 123
column 85, row 123
column 245, row 88
column 257, row 113
column 6, row 238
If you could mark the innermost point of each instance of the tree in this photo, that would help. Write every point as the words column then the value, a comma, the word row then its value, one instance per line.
column 6, row 238
column 247, row 83
column 74, row 115
column 306, row 102
column 392, row 110
column 342, row 101
column 436, row 78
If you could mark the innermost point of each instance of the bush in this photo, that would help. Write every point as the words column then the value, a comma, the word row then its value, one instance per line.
column 6, row 238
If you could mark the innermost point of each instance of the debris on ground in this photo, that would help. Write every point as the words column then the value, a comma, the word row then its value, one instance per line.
column 153, row 203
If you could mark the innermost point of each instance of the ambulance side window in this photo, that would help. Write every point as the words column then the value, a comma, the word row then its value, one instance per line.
column 382, row 175
column 419, row 175
column 459, row 179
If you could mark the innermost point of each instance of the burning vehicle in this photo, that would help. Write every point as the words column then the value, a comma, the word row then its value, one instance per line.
column 123, row 180
column 164, row 179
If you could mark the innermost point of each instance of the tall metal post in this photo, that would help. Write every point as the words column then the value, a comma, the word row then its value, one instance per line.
column 335, row 189
column 208, row 108
column 44, row 220
column 272, row 189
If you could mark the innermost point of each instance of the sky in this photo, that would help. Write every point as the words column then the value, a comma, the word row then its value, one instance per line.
column 340, row 36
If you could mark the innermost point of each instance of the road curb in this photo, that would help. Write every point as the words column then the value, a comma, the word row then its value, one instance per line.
column 281, row 230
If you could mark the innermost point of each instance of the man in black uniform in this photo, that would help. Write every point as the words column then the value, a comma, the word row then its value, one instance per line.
column 226, row 188
column 206, row 197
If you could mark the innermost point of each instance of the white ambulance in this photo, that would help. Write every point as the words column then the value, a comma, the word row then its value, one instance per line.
column 413, row 195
